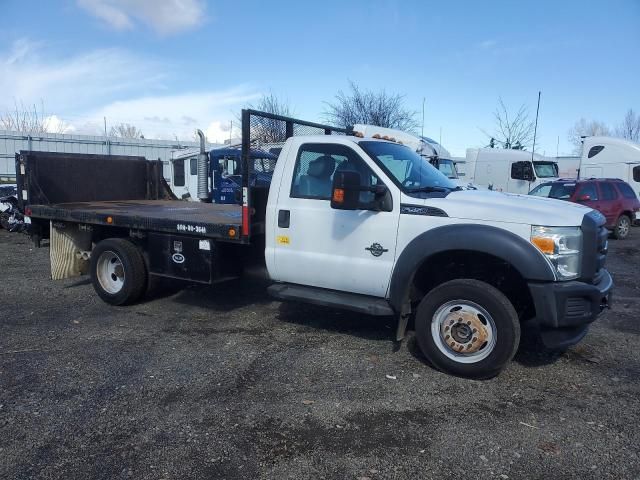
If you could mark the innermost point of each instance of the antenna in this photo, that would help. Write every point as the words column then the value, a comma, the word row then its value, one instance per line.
column 535, row 130
column 422, row 131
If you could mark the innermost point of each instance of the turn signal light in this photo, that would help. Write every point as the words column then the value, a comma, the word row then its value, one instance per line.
column 545, row 245
column 232, row 232
column 338, row 195
column 109, row 220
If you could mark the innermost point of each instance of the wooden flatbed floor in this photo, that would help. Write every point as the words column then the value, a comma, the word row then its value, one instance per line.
column 171, row 216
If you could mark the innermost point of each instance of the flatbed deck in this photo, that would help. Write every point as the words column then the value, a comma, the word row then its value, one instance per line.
column 171, row 216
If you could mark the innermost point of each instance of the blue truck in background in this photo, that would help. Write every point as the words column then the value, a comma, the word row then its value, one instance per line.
column 224, row 173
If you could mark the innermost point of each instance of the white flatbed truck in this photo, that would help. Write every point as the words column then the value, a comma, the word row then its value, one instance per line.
column 347, row 222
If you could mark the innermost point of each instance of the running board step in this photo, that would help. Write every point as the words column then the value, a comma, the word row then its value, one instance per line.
column 331, row 298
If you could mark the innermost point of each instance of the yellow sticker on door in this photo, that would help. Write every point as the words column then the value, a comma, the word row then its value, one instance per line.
column 282, row 239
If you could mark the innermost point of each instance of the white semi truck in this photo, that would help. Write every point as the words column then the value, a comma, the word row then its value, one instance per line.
column 505, row 170
column 609, row 157
column 347, row 221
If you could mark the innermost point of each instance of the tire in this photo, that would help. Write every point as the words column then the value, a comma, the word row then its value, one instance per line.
column 623, row 226
column 486, row 317
column 118, row 272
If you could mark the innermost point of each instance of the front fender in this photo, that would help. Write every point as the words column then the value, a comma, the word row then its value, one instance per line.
column 507, row 246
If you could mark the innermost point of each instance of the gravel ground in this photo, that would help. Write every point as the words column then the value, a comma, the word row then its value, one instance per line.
column 226, row 383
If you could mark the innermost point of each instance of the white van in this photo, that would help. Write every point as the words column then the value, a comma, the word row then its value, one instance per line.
column 506, row 170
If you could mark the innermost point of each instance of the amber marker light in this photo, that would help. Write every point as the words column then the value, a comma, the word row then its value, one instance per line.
column 545, row 244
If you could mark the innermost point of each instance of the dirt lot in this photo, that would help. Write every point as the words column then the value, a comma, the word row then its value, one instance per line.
column 227, row 383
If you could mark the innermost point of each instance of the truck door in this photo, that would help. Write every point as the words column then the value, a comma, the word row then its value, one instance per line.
column 346, row 250
column 178, row 178
column 516, row 185
column 191, row 166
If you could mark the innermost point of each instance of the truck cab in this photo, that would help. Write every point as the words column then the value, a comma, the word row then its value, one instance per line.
column 352, row 219
column 224, row 172
column 513, row 171
column 608, row 157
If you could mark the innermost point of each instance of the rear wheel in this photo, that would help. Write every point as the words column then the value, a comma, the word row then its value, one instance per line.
column 623, row 226
column 467, row 328
column 118, row 272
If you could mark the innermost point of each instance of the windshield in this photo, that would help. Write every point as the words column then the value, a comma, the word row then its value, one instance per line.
column 447, row 167
column 546, row 169
column 408, row 169
column 6, row 190
column 561, row 191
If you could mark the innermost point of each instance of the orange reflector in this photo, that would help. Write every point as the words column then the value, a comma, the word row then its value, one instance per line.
column 109, row 220
column 544, row 244
column 232, row 232
column 338, row 195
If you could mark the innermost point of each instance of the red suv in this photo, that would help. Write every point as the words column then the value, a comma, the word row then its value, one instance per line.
column 612, row 197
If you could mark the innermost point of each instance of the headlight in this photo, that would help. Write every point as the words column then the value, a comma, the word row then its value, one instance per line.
column 562, row 246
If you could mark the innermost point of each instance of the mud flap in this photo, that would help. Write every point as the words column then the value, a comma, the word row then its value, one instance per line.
column 67, row 251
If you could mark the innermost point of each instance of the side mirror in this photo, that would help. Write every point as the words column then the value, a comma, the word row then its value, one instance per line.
column 345, row 191
column 636, row 174
column 522, row 171
column 584, row 198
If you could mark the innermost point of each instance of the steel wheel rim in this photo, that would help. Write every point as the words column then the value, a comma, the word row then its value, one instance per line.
column 463, row 331
column 110, row 272
column 623, row 227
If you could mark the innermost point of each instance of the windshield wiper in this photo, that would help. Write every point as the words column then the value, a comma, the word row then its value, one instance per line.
column 428, row 189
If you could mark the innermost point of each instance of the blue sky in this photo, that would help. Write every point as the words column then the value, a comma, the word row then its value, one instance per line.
column 171, row 66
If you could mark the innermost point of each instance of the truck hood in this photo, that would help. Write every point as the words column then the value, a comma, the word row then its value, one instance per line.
column 511, row 208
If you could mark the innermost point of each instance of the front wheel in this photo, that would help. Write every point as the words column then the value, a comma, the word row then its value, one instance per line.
column 118, row 272
column 467, row 328
column 623, row 226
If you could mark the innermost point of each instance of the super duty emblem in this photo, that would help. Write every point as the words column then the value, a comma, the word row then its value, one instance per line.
column 376, row 249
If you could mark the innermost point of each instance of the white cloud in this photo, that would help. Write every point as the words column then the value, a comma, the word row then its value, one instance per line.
column 164, row 16
column 76, row 93
column 179, row 115
column 71, row 83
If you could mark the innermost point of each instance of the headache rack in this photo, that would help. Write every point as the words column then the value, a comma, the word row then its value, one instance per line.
column 268, row 132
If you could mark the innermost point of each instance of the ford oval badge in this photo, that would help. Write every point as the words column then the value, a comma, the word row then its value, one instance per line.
column 178, row 258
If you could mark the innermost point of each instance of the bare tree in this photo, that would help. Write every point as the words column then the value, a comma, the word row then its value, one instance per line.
column 371, row 108
column 30, row 120
column 511, row 131
column 630, row 127
column 268, row 130
column 125, row 130
column 584, row 128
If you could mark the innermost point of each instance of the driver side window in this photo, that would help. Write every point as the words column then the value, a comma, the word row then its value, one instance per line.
column 316, row 165
column 589, row 189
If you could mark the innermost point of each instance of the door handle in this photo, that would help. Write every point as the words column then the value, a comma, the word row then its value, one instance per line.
column 284, row 218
